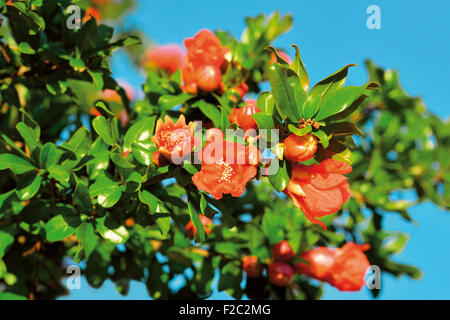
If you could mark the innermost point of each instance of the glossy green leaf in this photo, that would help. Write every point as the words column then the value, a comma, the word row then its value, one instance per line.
column 15, row 163
column 299, row 68
column 28, row 185
column 281, row 178
column 339, row 101
column 264, row 120
column 120, row 161
column 82, row 198
column 104, row 129
column 6, row 239
column 283, row 83
column 107, row 191
column 117, row 235
column 63, row 224
column 29, row 136
column 265, row 102
column 60, row 174
column 49, row 155
column 140, row 131
column 323, row 137
column 87, row 238
column 323, row 88
column 300, row 131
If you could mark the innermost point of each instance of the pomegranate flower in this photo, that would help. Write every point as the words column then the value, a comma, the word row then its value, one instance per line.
column 343, row 268
column 226, row 166
column 320, row 189
column 169, row 57
column 174, row 140
column 204, row 59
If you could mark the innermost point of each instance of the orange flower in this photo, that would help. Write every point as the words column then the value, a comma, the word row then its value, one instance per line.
column 174, row 140
column 168, row 57
column 320, row 260
column 92, row 12
column 343, row 268
column 319, row 189
column 300, row 148
column 226, row 166
column 204, row 59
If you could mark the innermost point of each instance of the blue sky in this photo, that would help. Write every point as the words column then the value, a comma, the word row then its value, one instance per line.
column 414, row 38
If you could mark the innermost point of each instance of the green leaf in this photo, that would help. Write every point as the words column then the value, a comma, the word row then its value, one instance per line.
column 299, row 68
column 300, row 131
column 60, row 174
column 283, row 83
column 28, row 185
column 6, row 239
column 15, row 164
column 97, row 77
column 99, row 150
column 134, row 182
column 82, row 198
column 49, row 155
column 340, row 100
column 25, row 48
column 80, row 142
column 168, row 102
column 264, row 120
column 323, row 88
column 140, row 131
column 157, row 208
column 200, row 234
column 118, row 235
column 280, row 180
column 323, row 138
column 107, row 191
column 11, row 296
column 210, row 111
column 29, row 136
column 143, row 152
column 120, row 161
column 343, row 128
column 265, row 102
column 87, row 238
column 104, row 130
column 63, row 224
column 77, row 64
column 224, row 121
column 396, row 242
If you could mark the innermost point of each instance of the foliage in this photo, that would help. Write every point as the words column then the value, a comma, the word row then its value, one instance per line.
column 75, row 185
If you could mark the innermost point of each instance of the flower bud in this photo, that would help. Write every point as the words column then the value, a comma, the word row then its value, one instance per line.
column 282, row 251
column 300, row 148
column 245, row 118
column 280, row 274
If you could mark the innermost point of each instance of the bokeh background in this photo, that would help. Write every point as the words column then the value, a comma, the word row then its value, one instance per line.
column 414, row 38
